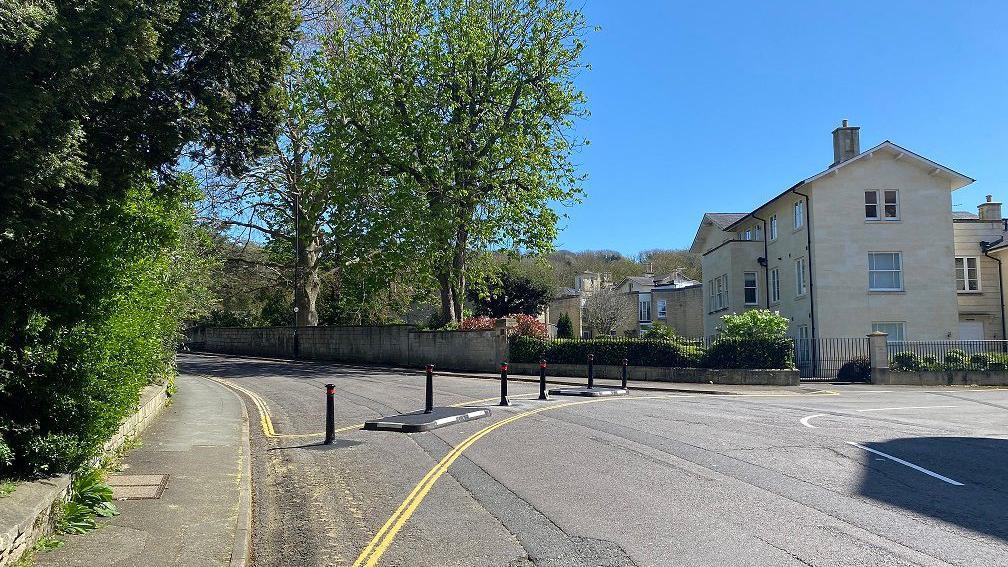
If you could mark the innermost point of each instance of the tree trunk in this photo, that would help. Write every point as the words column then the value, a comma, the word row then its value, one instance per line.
column 307, row 289
column 447, row 297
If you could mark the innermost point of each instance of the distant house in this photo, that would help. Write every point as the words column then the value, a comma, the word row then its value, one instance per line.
column 672, row 299
column 869, row 244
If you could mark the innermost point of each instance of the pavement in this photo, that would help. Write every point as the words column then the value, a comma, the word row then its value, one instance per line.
column 200, row 518
column 818, row 475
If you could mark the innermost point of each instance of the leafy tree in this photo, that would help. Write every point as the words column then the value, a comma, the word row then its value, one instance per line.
column 468, row 106
column 565, row 328
column 309, row 198
column 99, row 257
column 605, row 309
column 510, row 293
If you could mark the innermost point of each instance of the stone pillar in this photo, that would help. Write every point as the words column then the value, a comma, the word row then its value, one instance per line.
column 878, row 356
column 503, row 346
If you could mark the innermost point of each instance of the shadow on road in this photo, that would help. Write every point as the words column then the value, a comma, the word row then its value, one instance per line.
column 223, row 365
column 980, row 464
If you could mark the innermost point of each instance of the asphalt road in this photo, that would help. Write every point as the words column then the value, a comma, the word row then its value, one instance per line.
column 856, row 475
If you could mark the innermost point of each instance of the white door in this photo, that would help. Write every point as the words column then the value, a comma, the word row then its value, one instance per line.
column 971, row 331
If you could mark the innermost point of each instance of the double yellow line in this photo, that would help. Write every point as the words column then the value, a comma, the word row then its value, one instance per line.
column 264, row 415
column 267, row 422
column 383, row 539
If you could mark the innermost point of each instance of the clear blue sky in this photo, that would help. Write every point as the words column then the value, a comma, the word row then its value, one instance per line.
column 699, row 107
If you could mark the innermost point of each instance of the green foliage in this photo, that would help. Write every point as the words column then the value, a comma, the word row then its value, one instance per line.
column 508, row 293
column 565, row 327
column 6, row 487
column 758, row 324
column 659, row 330
column 979, row 361
column 956, row 359
column 856, row 370
column 470, row 107
column 721, row 353
column 100, row 259
column 90, row 498
column 905, row 362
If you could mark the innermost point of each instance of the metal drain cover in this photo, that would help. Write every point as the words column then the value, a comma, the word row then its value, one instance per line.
column 137, row 486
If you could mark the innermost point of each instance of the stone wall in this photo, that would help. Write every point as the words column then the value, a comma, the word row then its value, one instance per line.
column 395, row 345
column 889, row 377
column 731, row 376
column 28, row 513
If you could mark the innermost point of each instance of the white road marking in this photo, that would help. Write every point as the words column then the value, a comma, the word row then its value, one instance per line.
column 805, row 420
column 908, row 407
column 907, row 463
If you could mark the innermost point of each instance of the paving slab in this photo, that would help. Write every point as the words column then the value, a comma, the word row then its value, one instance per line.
column 189, row 518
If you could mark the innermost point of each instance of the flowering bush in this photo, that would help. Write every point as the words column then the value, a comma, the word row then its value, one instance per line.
column 477, row 324
column 526, row 325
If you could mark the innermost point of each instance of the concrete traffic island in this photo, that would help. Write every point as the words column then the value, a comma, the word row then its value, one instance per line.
column 430, row 418
column 590, row 390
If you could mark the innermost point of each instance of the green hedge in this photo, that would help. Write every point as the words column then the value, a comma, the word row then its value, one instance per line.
column 680, row 353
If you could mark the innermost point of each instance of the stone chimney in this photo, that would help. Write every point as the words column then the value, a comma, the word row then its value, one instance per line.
column 845, row 143
column 990, row 210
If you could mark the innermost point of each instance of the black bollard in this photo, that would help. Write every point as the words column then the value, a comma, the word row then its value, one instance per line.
column 429, row 402
column 504, row 393
column 591, row 371
column 330, row 418
column 625, row 363
column 542, row 380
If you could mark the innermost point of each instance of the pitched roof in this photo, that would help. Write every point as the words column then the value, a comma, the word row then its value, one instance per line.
column 724, row 220
column 964, row 215
column 958, row 180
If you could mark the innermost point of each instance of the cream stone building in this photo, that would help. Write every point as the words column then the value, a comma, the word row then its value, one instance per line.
column 870, row 243
column 672, row 299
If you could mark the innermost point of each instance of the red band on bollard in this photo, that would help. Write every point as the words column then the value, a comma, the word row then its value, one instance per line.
column 430, row 368
column 504, row 367
column 330, row 388
column 542, row 364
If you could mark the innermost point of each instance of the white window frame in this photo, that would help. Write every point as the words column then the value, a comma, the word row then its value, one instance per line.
column 962, row 273
column 898, row 271
column 748, row 234
column 662, row 309
column 881, row 203
column 710, row 296
column 754, row 288
column 774, row 285
column 644, row 310
column 799, row 214
column 801, row 277
column 893, row 337
column 773, row 228
column 758, row 231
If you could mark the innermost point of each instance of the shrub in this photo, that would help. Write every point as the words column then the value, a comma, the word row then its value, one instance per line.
column 754, row 324
column 857, row 370
column 723, row 353
column 659, row 330
column 749, row 353
column 979, row 361
column 904, row 362
column 565, row 328
column 929, row 363
column 477, row 324
column 528, row 326
column 956, row 359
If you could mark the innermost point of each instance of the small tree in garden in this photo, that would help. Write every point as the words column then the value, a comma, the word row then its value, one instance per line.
column 528, row 326
column 565, row 328
column 605, row 309
column 659, row 330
